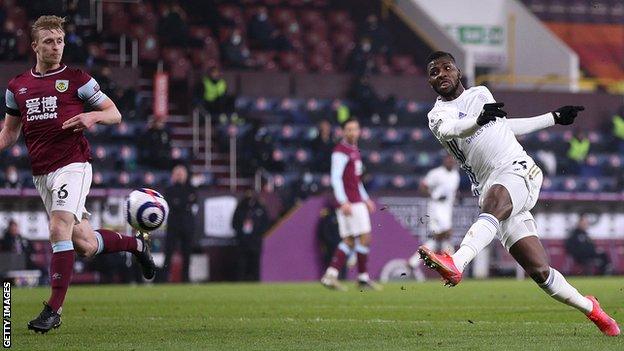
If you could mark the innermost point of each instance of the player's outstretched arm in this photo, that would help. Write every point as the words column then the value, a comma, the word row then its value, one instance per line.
column 564, row 115
column 446, row 128
column 107, row 114
column 10, row 132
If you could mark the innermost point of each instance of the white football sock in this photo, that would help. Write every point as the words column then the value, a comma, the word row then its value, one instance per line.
column 331, row 272
column 363, row 277
column 480, row 235
column 139, row 245
column 559, row 289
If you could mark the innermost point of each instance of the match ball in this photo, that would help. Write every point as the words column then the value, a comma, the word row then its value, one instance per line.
column 146, row 209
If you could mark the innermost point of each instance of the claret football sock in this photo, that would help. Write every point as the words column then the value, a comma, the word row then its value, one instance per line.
column 61, row 268
column 362, row 261
column 557, row 287
column 480, row 235
column 340, row 257
column 110, row 241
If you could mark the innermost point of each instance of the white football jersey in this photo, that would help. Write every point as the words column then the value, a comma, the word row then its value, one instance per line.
column 489, row 148
column 442, row 183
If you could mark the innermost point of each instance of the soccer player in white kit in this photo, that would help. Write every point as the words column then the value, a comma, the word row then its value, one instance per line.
column 440, row 185
column 472, row 127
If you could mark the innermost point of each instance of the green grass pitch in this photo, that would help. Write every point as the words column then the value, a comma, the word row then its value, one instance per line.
column 476, row 315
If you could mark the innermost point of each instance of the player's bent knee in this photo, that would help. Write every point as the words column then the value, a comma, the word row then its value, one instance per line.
column 350, row 241
column 539, row 274
column 365, row 239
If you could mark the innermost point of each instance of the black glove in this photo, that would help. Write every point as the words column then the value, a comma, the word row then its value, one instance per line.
column 490, row 112
column 565, row 115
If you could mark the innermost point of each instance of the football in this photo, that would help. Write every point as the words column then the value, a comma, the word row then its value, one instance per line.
column 146, row 209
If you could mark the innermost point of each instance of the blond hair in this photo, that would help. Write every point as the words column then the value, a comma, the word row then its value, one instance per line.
column 46, row 23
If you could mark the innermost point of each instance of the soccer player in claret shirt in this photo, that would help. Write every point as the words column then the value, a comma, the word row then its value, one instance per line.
column 472, row 127
column 46, row 104
column 353, row 214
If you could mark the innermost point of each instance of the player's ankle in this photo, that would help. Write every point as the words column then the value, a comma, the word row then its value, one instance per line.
column 331, row 272
column 363, row 277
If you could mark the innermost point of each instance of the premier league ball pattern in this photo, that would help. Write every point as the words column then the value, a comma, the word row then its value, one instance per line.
column 146, row 209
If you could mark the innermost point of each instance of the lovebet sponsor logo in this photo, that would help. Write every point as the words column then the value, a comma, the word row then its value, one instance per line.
column 6, row 315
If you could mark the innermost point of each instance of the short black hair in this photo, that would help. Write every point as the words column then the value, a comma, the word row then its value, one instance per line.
column 349, row 120
column 439, row 54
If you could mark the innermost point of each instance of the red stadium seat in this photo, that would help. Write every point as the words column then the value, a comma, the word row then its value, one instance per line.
column 203, row 58
column 338, row 18
column 283, row 16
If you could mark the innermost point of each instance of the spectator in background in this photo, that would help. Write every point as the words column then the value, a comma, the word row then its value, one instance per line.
column 8, row 42
column 617, row 129
column 577, row 152
column 579, row 147
column 107, row 84
column 322, row 147
column 582, row 249
column 261, row 30
column 341, row 111
column 250, row 222
column 74, row 46
column 11, row 178
column 125, row 97
column 366, row 99
column 263, row 35
column 12, row 240
column 214, row 92
column 182, row 198
column 155, row 145
column 172, row 28
column 362, row 60
column 236, row 53
column 380, row 37
column 328, row 236
column 94, row 56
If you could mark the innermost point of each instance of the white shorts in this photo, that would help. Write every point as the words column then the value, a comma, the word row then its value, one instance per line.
column 357, row 223
column 523, row 180
column 440, row 217
column 66, row 189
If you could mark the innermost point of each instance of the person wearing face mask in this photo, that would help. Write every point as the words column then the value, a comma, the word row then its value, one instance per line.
column 250, row 222
column 362, row 58
column 11, row 178
column 235, row 51
column 260, row 29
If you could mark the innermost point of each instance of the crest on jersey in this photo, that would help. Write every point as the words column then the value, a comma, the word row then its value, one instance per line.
column 61, row 85
column 462, row 115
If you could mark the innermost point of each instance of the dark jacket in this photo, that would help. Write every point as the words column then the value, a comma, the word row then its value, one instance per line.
column 579, row 245
column 250, row 222
column 181, row 198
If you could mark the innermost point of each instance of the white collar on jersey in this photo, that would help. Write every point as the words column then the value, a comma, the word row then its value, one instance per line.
column 48, row 73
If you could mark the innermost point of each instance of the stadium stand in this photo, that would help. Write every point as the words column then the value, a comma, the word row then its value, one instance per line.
column 595, row 30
